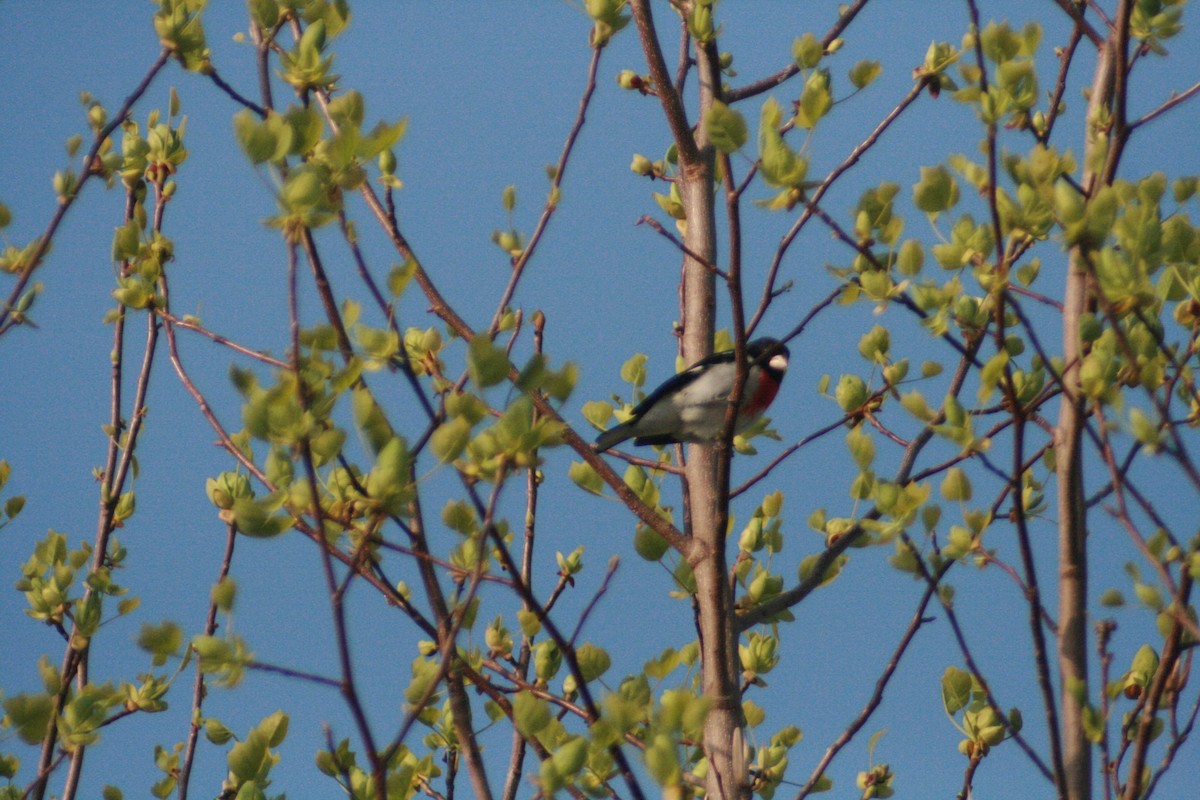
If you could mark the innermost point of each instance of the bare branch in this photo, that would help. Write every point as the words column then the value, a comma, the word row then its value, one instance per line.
column 847, row 15
column 1174, row 100
column 518, row 268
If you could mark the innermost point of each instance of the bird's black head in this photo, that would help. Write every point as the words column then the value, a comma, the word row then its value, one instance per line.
column 769, row 352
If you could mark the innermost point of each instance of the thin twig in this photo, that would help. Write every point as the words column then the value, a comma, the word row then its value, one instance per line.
column 551, row 205
column 613, row 563
column 198, row 689
column 846, row 16
column 876, row 697
column 258, row 355
column 683, row 248
column 88, row 169
column 1172, row 102
column 819, row 192
column 233, row 93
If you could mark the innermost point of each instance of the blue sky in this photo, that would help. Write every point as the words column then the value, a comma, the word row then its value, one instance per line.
column 490, row 91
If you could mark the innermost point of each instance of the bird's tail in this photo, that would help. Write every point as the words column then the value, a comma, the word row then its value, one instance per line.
column 613, row 437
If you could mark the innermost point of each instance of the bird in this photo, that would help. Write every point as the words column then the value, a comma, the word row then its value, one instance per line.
column 690, row 406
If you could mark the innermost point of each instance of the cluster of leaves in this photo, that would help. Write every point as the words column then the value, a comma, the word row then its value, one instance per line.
column 981, row 724
column 1142, row 256
column 298, row 434
column 334, row 161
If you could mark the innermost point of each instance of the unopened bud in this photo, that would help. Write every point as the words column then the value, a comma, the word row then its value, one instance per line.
column 628, row 79
column 97, row 117
column 387, row 162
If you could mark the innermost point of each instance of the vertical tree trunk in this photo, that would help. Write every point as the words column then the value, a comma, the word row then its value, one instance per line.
column 1072, row 511
column 714, row 601
column 714, row 595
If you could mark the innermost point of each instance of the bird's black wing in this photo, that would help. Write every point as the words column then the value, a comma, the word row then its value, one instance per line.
column 680, row 380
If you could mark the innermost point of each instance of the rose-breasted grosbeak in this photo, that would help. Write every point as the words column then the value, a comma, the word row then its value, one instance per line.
column 690, row 407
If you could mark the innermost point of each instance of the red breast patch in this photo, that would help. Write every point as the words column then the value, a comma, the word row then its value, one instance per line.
column 764, row 393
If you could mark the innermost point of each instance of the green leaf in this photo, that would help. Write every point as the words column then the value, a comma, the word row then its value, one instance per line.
column 529, row 622
column 424, row 673
column 370, row 419
column 585, row 477
column 633, row 371
column 864, row 73
column 126, row 241
column 399, row 277
column 569, row 758
column 598, row 413
column 487, row 363
column 851, row 393
column 388, row 479
column 223, row 594
column 306, row 126
column 253, row 518
column 873, row 741
column 457, row 515
column 1144, row 429
column 247, row 757
column 649, row 543
column 862, row 447
column 910, row 258
column 216, row 732
column 662, row 761
column 991, row 374
column 936, row 191
column 593, row 661
column 265, row 13
column 274, row 728
column 1149, row 595
column 956, row 486
column 874, row 344
column 531, row 714
column 815, row 100
column 305, row 190
column 134, row 292
column 381, row 138
column 347, row 109
column 13, row 505
column 807, row 51
column 780, row 166
column 956, row 689
column 160, row 641
column 255, row 138
column 725, row 127
column 450, row 439
column 30, row 715
column 1183, row 189
column 671, row 203
column 809, row 563
column 326, row 445
column 772, row 504
column 1145, row 662
column 128, row 605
